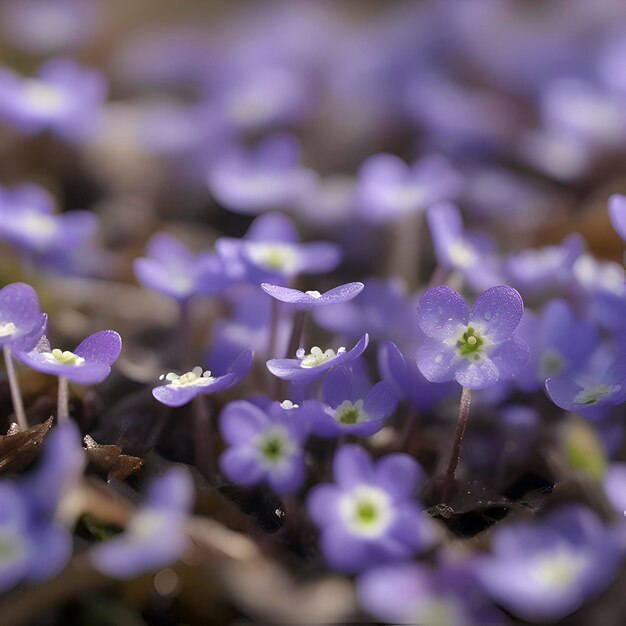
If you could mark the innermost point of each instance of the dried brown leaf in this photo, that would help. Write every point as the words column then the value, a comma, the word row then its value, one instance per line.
column 110, row 459
column 18, row 448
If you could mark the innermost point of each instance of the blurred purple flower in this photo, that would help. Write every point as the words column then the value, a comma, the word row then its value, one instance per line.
column 368, row 516
column 388, row 188
column 311, row 366
column 172, row 269
column 617, row 213
column 405, row 377
column 472, row 254
column 591, row 392
column 34, row 546
column 270, row 252
column 28, row 221
column 264, row 445
column 181, row 389
column 553, row 351
column 476, row 349
column 88, row 364
column 304, row 300
column 21, row 321
column 346, row 409
column 543, row 571
column 615, row 486
column 269, row 177
column 62, row 97
column 155, row 536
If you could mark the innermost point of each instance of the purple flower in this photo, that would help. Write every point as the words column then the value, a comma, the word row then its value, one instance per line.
column 88, row 364
column 304, row 300
column 477, row 348
column 407, row 380
column 388, row 188
column 310, row 366
column 368, row 516
column 266, row 178
column 615, row 486
column 28, row 221
column 62, row 97
column 33, row 545
column 472, row 254
column 552, row 350
column 545, row 571
column 21, row 321
column 590, row 393
column 173, row 270
column 155, row 536
column 347, row 409
column 264, row 445
column 181, row 389
column 617, row 213
column 270, row 252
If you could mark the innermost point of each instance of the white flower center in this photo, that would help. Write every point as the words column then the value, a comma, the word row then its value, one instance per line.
column 274, row 446
column 65, row 357
column 7, row 329
column 313, row 294
column 317, row 357
column 42, row 96
column 462, row 254
column 551, row 364
column 275, row 256
column 195, row 378
column 592, row 395
column 409, row 197
column 367, row 511
column 558, row 568
column 288, row 405
column 348, row 413
column 39, row 224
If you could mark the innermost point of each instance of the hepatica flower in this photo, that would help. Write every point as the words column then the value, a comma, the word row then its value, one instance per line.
column 21, row 321
column 309, row 366
column 368, row 515
column 88, row 364
column 388, row 188
column 269, row 177
column 179, row 389
column 592, row 392
column 155, row 536
column 477, row 348
column 346, row 409
column 172, row 269
column 617, row 213
column 263, row 445
column 543, row 571
column 304, row 300
column 62, row 97
column 28, row 221
column 270, row 252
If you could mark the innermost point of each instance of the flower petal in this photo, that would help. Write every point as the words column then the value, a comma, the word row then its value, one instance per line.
column 477, row 375
column 498, row 312
column 352, row 466
column 436, row 361
column 442, row 313
column 510, row 357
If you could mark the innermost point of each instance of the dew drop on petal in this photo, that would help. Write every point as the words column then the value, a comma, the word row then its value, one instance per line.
column 438, row 358
column 487, row 315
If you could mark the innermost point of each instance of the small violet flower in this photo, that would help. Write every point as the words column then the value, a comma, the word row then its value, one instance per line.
column 545, row 571
column 368, row 516
column 171, row 269
column 308, row 367
column 617, row 213
column 591, row 393
column 28, row 221
column 269, row 177
column 347, row 410
column 264, row 445
column 181, row 389
column 304, row 300
column 88, row 364
column 270, row 252
column 388, row 188
column 62, row 97
column 142, row 546
column 477, row 348
column 21, row 321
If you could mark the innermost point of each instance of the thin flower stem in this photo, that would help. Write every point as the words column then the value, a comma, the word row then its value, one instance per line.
column 296, row 334
column 406, row 236
column 464, row 408
column 203, row 438
column 16, row 394
column 272, row 339
column 184, row 335
column 63, row 399
column 407, row 428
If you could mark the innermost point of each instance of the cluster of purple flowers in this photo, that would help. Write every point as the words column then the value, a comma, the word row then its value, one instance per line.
column 327, row 322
